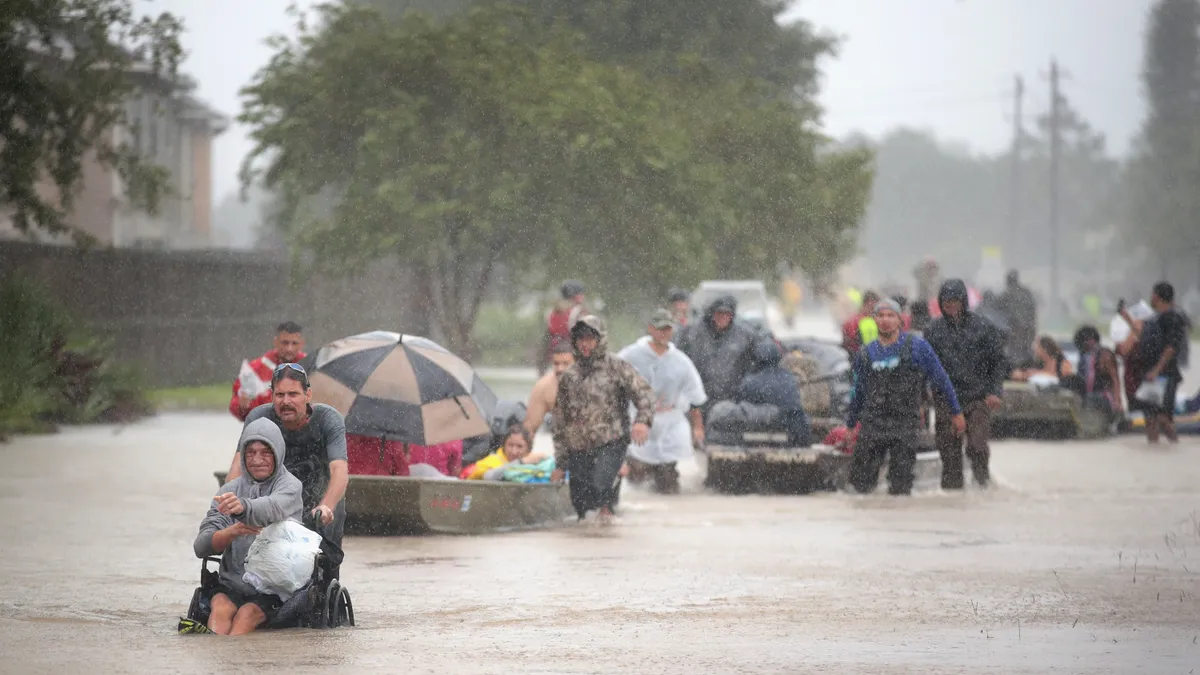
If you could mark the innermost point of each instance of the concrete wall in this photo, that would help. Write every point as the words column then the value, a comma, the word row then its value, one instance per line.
column 190, row 318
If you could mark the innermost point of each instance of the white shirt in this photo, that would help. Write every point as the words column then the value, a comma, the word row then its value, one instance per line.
column 677, row 388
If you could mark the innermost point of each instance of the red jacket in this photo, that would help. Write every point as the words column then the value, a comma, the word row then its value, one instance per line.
column 264, row 367
column 370, row 456
column 851, row 335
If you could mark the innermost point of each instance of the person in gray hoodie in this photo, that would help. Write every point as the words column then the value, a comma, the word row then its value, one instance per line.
column 263, row 494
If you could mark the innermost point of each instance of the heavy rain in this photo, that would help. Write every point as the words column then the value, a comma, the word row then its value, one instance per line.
column 559, row 336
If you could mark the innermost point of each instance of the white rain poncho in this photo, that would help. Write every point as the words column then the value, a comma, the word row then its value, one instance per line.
column 677, row 388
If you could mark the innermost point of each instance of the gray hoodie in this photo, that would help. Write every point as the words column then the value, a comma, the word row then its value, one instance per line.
column 264, row 502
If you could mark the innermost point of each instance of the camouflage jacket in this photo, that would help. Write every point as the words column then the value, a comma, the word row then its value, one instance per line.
column 592, row 408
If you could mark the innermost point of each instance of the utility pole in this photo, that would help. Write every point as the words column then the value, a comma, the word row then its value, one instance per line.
column 1014, row 195
column 1055, row 151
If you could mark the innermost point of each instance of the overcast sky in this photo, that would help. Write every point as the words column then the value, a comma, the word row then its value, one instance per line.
column 942, row 65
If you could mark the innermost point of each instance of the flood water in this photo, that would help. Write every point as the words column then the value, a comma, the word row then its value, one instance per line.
column 1084, row 558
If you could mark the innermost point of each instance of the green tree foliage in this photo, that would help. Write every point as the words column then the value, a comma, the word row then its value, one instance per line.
column 66, row 69
column 736, row 39
column 1166, row 168
column 55, row 370
column 491, row 140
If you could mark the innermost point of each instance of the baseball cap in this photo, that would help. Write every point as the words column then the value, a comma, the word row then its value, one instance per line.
column 662, row 318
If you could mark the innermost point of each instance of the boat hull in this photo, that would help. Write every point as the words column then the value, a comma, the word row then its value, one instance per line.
column 394, row 505
column 798, row 471
column 1045, row 415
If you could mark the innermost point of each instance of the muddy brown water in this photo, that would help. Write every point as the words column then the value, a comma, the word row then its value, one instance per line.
column 1084, row 558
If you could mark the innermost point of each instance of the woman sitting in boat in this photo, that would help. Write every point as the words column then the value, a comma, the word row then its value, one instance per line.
column 1099, row 381
column 1053, row 362
column 517, row 453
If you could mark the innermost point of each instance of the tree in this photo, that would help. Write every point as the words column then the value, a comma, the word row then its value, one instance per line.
column 457, row 147
column 1166, row 167
column 491, row 139
column 736, row 39
column 66, row 69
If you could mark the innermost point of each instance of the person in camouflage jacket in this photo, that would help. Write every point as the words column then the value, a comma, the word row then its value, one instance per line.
column 592, row 429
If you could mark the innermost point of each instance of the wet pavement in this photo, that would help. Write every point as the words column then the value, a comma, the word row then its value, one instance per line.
column 1084, row 558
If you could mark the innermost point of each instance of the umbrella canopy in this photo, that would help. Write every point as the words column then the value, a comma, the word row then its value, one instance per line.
column 401, row 387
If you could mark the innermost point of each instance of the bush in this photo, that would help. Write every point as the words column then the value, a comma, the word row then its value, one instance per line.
column 52, row 371
column 504, row 338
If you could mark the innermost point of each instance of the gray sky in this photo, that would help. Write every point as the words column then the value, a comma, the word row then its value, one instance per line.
column 942, row 65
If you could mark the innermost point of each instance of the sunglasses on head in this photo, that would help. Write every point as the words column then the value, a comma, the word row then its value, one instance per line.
column 281, row 368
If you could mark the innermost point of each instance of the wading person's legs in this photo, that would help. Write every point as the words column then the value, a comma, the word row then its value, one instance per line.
column 220, row 620
column 248, row 618
column 902, row 457
column 865, row 463
column 979, row 432
column 949, row 445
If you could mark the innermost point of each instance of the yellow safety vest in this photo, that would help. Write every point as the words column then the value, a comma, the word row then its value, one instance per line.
column 868, row 330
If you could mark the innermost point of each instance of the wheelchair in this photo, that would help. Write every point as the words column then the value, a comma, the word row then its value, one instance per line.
column 323, row 603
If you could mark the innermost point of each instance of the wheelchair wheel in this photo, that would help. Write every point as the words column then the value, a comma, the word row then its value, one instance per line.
column 333, row 594
column 199, row 609
column 341, row 611
column 347, row 608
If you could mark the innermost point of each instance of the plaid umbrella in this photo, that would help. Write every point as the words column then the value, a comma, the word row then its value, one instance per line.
column 401, row 387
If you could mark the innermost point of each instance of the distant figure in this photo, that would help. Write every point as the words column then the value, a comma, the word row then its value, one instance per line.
column 1020, row 310
column 721, row 349
column 1099, row 380
column 971, row 350
column 678, row 393
column 860, row 329
column 288, row 347
column 772, row 384
column 1161, row 344
column 545, row 390
column 679, row 302
column 890, row 377
column 558, row 325
column 928, row 277
column 1051, row 361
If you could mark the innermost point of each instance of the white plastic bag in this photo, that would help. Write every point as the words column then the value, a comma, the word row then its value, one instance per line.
column 1118, row 330
column 249, row 382
column 1043, row 381
column 281, row 559
column 1152, row 393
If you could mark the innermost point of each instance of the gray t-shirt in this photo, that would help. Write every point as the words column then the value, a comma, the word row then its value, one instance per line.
column 310, row 449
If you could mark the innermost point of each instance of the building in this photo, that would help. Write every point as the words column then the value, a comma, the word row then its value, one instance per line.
column 176, row 133
column 173, row 129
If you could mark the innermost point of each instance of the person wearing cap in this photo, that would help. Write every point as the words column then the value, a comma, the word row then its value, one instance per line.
column 721, row 349
column 315, row 437
column 678, row 392
column 592, row 426
column 679, row 302
column 890, row 377
column 558, row 324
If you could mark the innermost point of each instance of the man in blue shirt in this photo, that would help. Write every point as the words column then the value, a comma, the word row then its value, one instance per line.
column 890, row 376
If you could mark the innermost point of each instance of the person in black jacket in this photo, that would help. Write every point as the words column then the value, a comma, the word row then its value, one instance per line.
column 971, row 350
column 721, row 348
column 774, row 385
